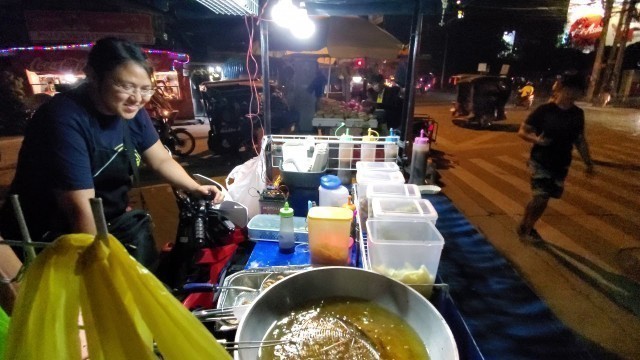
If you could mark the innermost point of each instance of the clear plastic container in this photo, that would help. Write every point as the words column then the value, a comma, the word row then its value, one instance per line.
column 377, row 166
column 385, row 190
column 366, row 177
column 403, row 208
column 265, row 227
column 405, row 250
column 329, row 235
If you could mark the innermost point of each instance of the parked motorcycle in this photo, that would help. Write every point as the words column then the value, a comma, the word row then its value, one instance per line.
column 178, row 141
column 206, row 240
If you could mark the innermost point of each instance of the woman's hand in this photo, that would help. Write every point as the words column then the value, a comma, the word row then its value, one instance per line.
column 211, row 190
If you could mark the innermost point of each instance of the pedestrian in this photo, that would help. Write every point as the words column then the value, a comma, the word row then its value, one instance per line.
column 389, row 100
column 316, row 87
column 87, row 143
column 553, row 129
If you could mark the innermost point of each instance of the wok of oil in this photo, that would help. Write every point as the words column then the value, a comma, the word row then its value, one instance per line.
column 343, row 328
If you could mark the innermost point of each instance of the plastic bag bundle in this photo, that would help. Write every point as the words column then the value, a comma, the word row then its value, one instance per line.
column 124, row 308
column 248, row 183
column 4, row 326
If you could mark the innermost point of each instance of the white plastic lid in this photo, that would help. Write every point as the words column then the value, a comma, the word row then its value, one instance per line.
column 369, row 177
column 376, row 166
column 384, row 190
column 403, row 208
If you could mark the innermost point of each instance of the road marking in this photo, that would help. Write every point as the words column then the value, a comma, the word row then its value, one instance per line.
column 577, row 190
column 611, row 174
column 514, row 211
column 628, row 154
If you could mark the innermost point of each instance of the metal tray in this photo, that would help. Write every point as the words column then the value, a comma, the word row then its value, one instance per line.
column 252, row 278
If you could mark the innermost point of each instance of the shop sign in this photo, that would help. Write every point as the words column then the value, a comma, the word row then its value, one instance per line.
column 84, row 26
column 585, row 20
column 54, row 62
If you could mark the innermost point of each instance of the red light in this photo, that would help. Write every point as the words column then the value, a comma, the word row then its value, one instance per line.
column 359, row 63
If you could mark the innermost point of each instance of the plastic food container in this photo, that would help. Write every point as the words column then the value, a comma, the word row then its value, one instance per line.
column 405, row 250
column 403, row 208
column 384, row 190
column 376, row 166
column 329, row 234
column 331, row 192
column 366, row 177
column 266, row 228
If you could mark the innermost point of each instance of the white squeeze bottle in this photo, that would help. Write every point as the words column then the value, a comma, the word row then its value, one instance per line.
column 368, row 147
column 391, row 146
column 331, row 192
column 345, row 157
column 286, row 236
column 419, row 156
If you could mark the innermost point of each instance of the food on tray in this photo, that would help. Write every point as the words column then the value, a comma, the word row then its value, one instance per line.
column 270, row 280
column 420, row 279
column 343, row 328
column 408, row 275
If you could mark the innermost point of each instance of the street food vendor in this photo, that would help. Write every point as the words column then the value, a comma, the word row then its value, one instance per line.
column 389, row 100
column 76, row 148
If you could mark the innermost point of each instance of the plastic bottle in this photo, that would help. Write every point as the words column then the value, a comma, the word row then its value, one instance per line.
column 345, row 157
column 391, row 146
column 351, row 206
column 419, row 156
column 286, row 236
column 368, row 148
column 331, row 192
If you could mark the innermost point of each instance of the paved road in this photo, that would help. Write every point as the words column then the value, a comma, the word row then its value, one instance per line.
column 484, row 173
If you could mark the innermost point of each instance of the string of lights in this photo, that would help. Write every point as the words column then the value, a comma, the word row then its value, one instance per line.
column 179, row 57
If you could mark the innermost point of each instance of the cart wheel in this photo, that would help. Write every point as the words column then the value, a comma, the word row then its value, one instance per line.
column 185, row 143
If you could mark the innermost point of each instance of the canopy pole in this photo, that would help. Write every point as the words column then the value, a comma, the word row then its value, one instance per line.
column 409, row 88
column 266, row 90
column 328, row 86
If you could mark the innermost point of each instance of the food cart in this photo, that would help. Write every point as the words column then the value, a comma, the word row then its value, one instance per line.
column 51, row 69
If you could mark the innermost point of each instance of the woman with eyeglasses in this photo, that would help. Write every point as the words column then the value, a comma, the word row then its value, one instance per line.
column 88, row 142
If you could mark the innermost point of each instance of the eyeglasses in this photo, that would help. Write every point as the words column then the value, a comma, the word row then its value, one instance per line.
column 132, row 90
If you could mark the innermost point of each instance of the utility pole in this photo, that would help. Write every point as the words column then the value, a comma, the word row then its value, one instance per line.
column 629, row 14
column 597, row 63
column 609, row 80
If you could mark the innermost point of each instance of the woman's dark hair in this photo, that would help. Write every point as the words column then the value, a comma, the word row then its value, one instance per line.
column 109, row 53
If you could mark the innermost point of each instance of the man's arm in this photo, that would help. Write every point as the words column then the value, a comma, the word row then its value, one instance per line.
column 583, row 149
column 528, row 134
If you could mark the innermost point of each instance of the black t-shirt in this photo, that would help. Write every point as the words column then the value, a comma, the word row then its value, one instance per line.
column 57, row 154
column 562, row 128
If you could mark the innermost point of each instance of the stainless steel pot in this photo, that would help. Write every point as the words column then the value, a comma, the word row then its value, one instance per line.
column 327, row 282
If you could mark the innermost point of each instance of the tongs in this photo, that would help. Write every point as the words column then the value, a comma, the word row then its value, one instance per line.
column 238, row 345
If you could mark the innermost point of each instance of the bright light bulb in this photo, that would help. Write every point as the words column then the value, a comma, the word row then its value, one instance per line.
column 283, row 13
column 301, row 25
column 70, row 78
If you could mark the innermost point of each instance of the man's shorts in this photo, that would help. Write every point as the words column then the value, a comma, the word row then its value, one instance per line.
column 544, row 182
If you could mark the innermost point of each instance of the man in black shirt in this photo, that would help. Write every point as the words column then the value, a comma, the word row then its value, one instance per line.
column 553, row 129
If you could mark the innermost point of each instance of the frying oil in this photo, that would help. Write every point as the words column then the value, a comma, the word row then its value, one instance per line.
column 343, row 328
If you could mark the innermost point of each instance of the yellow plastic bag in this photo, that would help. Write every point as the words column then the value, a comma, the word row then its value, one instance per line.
column 4, row 326
column 124, row 308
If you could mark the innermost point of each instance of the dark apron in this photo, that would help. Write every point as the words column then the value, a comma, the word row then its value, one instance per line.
column 111, row 178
